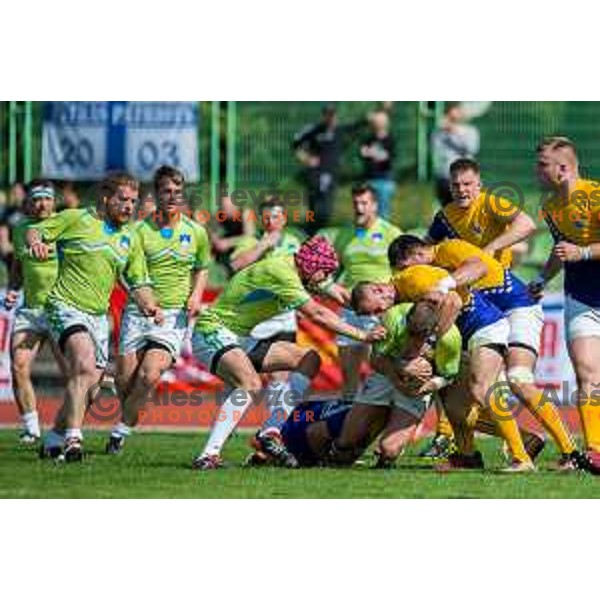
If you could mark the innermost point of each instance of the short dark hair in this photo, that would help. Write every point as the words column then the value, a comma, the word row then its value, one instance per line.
column 451, row 105
column 271, row 202
column 403, row 247
column 359, row 189
column 358, row 295
column 167, row 172
column 422, row 319
column 464, row 164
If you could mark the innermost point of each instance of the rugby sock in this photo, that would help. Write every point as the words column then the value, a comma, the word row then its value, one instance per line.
column 228, row 416
column 120, row 430
column 443, row 425
column 507, row 426
column 464, row 432
column 73, row 433
column 547, row 414
column 31, row 423
column 590, row 421
column 278, row 405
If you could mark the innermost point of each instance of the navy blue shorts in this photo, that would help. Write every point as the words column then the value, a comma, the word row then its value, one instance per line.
column 293, row 432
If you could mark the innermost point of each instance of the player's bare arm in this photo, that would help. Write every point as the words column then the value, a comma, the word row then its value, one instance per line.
column 36, row 245
column 194, row 303
column 15, row 283
column 147, row 304
column 521, row 227
column 326, row 318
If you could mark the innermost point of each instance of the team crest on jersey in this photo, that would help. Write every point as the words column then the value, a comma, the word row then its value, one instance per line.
column 377, row 236
column 185, row 239
column 124, row 242
column 477, row 228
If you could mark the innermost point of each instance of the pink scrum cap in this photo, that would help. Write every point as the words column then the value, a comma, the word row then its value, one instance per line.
column 316, row 254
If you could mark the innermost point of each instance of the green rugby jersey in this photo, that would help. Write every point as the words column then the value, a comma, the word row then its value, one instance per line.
column 262, row 290
column 363, row 253
column 447, row 351
column 172, row 254
column 92, row 255
column 38, row 275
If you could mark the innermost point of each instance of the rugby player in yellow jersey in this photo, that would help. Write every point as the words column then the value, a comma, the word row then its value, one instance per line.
column 482, row 324
column 487, row 221
column 31, row 329
column 572, row 212
column 177, row 253
column 494, row 225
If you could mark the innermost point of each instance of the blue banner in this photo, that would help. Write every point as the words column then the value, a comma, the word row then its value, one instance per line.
column 84, row 140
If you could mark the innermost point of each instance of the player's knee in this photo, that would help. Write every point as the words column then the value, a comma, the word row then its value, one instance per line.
column 150, row 377
column 84, row 368
column 251, row 382
column 479, row 389
column 520, row 379
column 311, row 363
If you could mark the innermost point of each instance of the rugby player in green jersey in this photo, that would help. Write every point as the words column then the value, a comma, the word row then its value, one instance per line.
column 362, row 249
column 95, row 247
column 30, row 329
column 177, row 253
column 222, row 341
column 412, row 362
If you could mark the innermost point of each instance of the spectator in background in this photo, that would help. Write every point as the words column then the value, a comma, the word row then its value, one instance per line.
column 235, row 224
column 318, row 148
column 70, row 197
column 10, row 214
column 454, row 139
column 377, row 152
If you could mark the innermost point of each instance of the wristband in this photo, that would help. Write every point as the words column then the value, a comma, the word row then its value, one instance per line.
column 586, row 253
column 446, row 284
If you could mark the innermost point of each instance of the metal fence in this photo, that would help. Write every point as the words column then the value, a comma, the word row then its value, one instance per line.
column 250, row 142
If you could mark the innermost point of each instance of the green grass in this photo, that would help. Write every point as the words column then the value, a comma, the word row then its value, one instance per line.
column 157, row 465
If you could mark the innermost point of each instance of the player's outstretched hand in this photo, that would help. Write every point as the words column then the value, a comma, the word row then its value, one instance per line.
column 340, row 294
column 156, row 314
column 376, row 334
column 39, row 250
column 10, row 300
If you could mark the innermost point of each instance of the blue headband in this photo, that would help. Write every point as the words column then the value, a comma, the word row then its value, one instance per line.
column 41, row 191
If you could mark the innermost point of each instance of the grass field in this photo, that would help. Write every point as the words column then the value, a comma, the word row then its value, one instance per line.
column 157, row 465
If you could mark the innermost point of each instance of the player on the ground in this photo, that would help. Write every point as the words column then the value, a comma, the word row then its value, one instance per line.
column 177, row 252
column 494, row 225
column 262, row 290
column 276, row 239
column 95, row 246
column 572, row 212
column 413, row 360
column 30, row 329
column 362, row 250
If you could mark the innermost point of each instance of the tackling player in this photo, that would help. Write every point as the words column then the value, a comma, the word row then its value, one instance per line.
column 494, row 225
column 177, row 252
column 262, row 290
column 30, row 328
column 572, row 212
column 393, row 401
column 95, row 247
column 362, row 250
column 276, row 239
column 484, row 329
